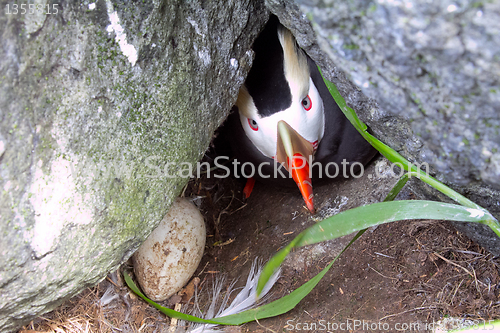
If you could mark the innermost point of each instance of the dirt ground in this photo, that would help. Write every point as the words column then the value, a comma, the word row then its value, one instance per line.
column 404, row 276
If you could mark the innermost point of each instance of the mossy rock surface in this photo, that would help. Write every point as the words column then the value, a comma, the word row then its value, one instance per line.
column 95, row 100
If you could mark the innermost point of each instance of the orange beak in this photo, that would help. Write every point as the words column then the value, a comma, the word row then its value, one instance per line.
column 294, row 152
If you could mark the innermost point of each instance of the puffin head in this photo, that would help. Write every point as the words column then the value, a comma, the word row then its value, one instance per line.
column 280, row 108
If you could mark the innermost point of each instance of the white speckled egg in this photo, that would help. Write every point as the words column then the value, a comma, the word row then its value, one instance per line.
column 170, row 255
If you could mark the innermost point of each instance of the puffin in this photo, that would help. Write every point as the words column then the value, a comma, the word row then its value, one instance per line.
column 286, row 128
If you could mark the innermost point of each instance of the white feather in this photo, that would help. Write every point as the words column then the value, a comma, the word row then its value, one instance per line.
column 246, row 299
column 109, row 296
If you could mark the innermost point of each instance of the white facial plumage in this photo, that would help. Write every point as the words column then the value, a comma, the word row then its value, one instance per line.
column 305, row 114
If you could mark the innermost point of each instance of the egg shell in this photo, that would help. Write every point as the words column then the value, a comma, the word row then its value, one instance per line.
column 170, row 255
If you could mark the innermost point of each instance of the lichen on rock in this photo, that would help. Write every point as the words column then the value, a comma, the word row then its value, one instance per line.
column 95, row 100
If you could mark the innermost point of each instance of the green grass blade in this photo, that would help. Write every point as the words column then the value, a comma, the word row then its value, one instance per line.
column 395, row 157
column 287, row 302
column 446, row 190
column 280, row 306
column 272, row 309
column 363, row 217
column 393, row 193
column 274, row 263
column 351, row 115
column 489, row 219
column 169, row 312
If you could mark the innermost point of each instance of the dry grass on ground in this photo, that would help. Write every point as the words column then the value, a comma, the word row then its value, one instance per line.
column 444, row 275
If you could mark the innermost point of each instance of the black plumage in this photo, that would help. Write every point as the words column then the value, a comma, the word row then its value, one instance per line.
column 267, row 85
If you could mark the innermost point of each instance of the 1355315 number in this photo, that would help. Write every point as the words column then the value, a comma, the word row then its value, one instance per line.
column 30, row 9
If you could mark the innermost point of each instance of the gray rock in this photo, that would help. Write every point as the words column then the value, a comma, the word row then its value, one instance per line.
column 484, row 195
column 437, row 64
column 94, row 100
column 425, row 76
column 97, row 98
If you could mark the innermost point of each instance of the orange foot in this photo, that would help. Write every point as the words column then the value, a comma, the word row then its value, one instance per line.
column 247, row 190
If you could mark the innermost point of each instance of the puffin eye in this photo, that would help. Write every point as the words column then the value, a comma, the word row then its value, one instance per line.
column 306, row 103
column 253, row 124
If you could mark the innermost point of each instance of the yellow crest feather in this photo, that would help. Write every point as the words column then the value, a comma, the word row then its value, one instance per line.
column 296, row 69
